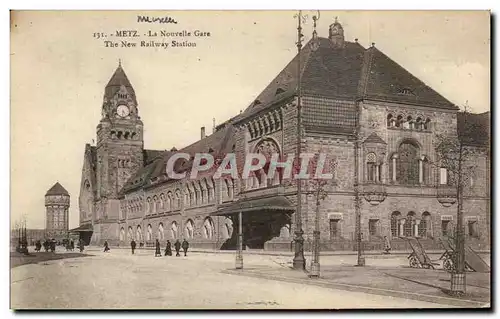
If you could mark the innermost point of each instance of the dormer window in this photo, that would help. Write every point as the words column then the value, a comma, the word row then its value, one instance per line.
column 256, row 102
column 279, row 91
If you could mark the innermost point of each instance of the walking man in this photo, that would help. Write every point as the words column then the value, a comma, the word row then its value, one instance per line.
column 132, row 245
column 168, row 249
column 185, row 246
column 157, row 249
column 106, row 246
column 177, row 247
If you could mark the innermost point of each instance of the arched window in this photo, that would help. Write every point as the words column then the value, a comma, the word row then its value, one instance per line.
column 178, row 199
column 156, row 204
column 390, row 120
column 161, row 234
column 424, row 228
column 427, row 124
column 227, row 230
column 191, row 196
column 130, row 233
column 408, row 165
column 371, row 167
column 138, row 233
column 409, row 121
column 162, row 201
column 409, row 224
column 202, row 187
column 208, row 228
column 173, row 230
column 418, row 124
column 225, row 189
column 149, row 208
column 399, row 121
column 425, row 170
column 122, row 234
column 395, row 231
column 150, row 232
column 189, row 230
column 229, row 188
column 169, row 201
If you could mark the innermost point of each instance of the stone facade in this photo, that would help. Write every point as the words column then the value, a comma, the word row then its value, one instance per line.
column 393, row 129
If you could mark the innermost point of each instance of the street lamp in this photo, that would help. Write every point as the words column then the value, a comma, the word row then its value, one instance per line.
column 299, row 261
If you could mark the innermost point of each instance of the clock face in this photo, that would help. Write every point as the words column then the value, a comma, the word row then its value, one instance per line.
column 122, row 110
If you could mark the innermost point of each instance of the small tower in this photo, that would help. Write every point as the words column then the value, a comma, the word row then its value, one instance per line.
column 57, row 208
column 336, row 34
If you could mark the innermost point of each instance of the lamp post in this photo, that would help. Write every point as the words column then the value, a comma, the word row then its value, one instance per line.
column 357, row 199
column 239, row 253
column 299, row 261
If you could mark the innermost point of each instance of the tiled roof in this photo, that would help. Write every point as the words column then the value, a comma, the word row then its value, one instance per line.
column 389, row 81
column 347, row 73
column 374, row 138
column 474, row 129
column 220, row 143
column 118, row 79
column 57, row 189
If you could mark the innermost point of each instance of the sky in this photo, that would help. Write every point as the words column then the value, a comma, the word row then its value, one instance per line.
column 59, row 71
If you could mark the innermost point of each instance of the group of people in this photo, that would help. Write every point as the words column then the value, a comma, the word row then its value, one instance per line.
column 70, row 245
column 50, row 244
column 47, row 245
column 168, row 248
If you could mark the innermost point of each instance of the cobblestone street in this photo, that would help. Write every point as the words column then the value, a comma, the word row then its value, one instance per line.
column 121, row 280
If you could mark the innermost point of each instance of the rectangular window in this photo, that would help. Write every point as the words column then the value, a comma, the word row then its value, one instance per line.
column 334, row 229
column 443, row 176
column 444, row 227
column 373, row 227
column 472, row 227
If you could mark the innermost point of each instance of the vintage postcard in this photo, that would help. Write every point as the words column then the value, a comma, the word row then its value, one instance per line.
column 250, row 159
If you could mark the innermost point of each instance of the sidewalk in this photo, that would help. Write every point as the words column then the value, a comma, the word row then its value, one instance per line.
column 371, row 253
column 402, row 282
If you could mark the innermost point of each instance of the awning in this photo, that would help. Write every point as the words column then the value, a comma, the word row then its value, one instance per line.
column 82, row 228
column 280, row 203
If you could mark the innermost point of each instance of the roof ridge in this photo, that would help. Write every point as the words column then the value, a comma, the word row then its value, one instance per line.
column 365, row 72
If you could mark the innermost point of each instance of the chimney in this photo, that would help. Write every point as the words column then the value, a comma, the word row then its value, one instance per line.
column 202, row 132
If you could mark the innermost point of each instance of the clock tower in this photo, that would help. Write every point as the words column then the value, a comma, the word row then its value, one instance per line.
column 120, row 144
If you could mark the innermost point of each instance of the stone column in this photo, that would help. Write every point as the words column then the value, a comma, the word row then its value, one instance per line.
column 394, row 166
column 420, row 171
column 402, row 227
column 377, row 173
column 417, row 222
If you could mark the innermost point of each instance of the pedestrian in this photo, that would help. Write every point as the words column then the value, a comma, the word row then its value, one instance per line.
column 53, row 245
column 387, row 245
column 132, row 245
column 177, row 246
column 38, row 246
column 72, row 245
column 185, row 246
column 106, row 246
column 157, row 249
column 168, row 249
column 81, row 245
